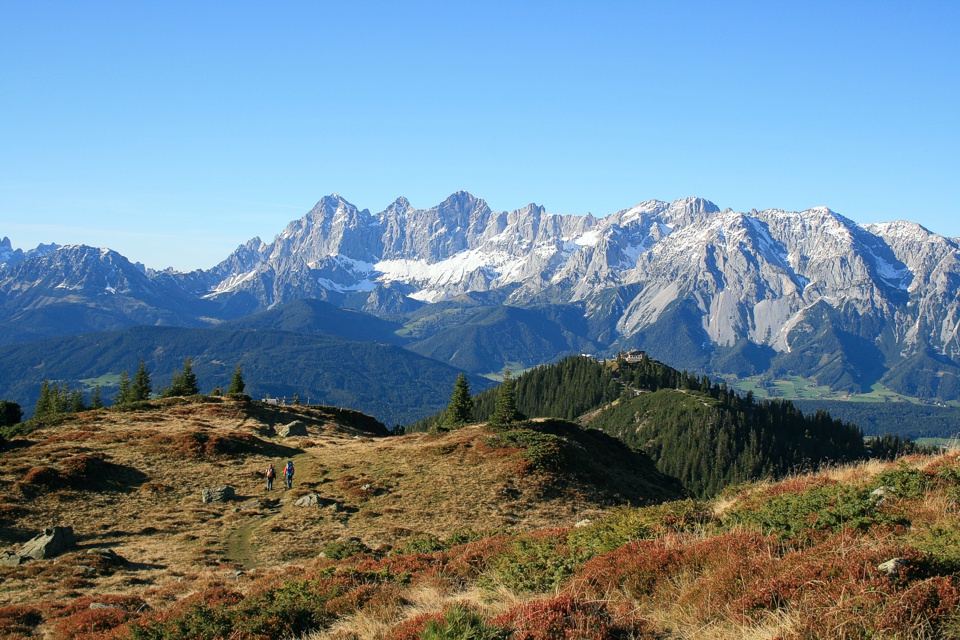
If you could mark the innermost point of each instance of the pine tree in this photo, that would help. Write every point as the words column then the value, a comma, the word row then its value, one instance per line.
column 96, row 401
column 10, row 413
column 184, row 382
column 460, row 409
column 74, row 400
column 140, row 388
column 189, row 378
column 123, row 393
column 505, row 413
column 237, row 385
column 45, row 403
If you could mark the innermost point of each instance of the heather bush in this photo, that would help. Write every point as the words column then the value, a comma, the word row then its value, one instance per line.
column 468, row 562
column 425, row 543
column 827, row 508
column 462, row 623
column 536, row 563
column 625, row 525
column 89, row 624
column 905, row 482
column 412, row 628
column 566, row 618
column 635, row 569
column 540, row 451
column 19, row 620
column 341, row 549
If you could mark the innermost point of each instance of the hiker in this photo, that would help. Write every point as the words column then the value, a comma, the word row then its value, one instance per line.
column 270, row 474
column 288, row 473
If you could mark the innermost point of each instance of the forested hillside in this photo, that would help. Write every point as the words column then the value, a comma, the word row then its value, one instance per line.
column 390, row 383
column 698, row 431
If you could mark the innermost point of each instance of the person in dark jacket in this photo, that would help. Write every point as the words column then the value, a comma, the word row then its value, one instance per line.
column 270, row 474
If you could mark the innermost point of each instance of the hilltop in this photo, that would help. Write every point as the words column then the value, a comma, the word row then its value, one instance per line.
column 701, row 432
column 130, row 480
column 502, row 534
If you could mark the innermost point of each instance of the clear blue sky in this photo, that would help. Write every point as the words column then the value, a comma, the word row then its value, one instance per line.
column 174, row 131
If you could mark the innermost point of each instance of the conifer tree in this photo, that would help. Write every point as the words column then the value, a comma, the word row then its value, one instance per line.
column 123, row 393
column 189, row 379
column 184, row 382
column 237, row 385
column 505, row 413
column 460, row 409
column 141, row 388
column 96, row 401
column 10, row 413
column 45, row 405
column 74, row 400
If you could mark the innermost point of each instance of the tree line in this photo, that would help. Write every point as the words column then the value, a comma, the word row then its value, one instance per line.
column 59, row 398
column 699, row 431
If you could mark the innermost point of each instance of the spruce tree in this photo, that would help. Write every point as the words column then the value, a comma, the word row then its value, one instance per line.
column 189, row 379
column 74, row 400
column 460, row 409
column 237, row 385
column 140, row 388
column 505, row 412
column 123, row 393
column 96, row 401
column 10, row 413
column 45, row 404
column 184, row 382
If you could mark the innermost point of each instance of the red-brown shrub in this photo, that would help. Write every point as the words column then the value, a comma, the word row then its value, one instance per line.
column 200, row 444
column 565, row 618
column 42, row 476
column 412, row 629
column 19, row 619
column 636, row 567
column 125, row 602
column 81, row 468
column 923, row 605
column 467, row 561
column 89, row 624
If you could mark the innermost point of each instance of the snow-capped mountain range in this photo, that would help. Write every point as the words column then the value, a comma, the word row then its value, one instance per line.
column 751, row 291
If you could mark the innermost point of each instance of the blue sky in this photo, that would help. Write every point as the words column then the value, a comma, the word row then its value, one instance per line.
column 174, row 131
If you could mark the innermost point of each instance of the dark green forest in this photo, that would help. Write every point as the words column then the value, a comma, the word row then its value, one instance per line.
column 904, row 418
column 385, row 381
column 698, row 431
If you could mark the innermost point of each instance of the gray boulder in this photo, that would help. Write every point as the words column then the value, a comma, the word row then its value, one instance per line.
column 8, row 559
column 309, row 500
column 892, row 567
column 51, row 543
column 314, row 500
column 295, row 428
column 218, row 494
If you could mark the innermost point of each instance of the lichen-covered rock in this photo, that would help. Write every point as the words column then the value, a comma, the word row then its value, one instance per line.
column 218, row 494
column 892, row 567
column 49, row 544
column 295, row 428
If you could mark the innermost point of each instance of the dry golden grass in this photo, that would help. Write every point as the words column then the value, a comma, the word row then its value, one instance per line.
column 144, row 502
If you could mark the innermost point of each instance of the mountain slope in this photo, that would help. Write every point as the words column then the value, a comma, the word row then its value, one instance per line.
column 487, row 339
column 77, row 289
column 438, row 536
column 807, row 293
column 393, row 384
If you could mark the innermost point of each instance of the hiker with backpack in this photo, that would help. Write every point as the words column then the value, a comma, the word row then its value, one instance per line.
column 288, row 474
column 270, row 474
